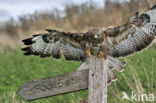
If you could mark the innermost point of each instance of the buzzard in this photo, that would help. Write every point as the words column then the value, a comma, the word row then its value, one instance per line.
column 133, row 36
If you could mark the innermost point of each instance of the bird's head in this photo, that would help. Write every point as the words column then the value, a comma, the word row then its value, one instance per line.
column 95, row 34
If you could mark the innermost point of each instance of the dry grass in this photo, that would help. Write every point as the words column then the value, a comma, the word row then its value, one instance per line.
column 78, row 19
column 6, row 42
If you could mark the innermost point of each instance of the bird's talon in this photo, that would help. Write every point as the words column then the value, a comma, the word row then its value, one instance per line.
column 100, row 54
column 88, row 52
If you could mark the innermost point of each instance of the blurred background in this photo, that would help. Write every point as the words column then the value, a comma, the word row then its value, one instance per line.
column 19, row 18
column 22, row 18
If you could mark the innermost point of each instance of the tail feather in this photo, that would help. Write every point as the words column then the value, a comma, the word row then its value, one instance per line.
column 83, row 66
column 111, row 77
column 112, row 64
column 115, row 64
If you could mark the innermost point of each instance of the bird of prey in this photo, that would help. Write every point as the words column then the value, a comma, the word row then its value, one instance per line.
column 133, row 36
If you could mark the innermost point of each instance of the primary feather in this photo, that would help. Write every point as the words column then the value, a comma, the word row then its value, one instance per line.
column 133, row 36
column 138, row 36
column 54, row 44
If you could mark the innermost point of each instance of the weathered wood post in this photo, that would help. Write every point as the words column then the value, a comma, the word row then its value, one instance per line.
column 97, row 92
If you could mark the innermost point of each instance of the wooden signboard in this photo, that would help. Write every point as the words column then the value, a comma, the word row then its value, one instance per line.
column 94, row 78
column 54, row 85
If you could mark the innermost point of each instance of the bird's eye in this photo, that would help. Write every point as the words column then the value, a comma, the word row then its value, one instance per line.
column 98, row 34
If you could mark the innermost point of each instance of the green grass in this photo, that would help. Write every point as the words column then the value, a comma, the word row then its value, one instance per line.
column 15, row 69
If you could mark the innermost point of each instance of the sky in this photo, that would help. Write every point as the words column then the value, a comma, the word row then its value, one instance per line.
column 15, row 8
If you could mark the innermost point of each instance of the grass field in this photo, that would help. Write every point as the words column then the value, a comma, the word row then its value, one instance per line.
column 15, row 69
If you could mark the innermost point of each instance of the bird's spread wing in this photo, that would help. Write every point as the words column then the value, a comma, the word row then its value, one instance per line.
column 134, row 35
column 54, row 43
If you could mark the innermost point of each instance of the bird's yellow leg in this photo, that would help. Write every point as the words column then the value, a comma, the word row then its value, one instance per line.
column 88, row 52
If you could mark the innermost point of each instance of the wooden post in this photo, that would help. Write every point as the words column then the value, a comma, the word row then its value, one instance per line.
column 97, row 92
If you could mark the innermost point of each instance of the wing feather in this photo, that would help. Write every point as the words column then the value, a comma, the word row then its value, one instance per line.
column 139, row 34
column 56, row 43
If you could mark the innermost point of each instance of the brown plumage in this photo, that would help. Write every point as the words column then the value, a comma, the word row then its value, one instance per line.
column 133, row 36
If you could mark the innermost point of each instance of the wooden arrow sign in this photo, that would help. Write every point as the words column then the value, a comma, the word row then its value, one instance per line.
column 54, row 85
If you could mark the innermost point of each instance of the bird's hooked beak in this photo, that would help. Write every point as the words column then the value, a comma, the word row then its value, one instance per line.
column 95, row 36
